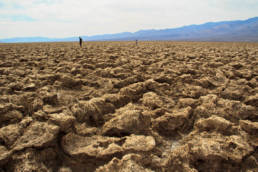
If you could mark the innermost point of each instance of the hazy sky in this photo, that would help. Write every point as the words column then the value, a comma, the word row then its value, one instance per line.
column 67, row 18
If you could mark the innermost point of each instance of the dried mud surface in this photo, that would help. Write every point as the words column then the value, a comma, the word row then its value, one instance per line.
column 114, row 106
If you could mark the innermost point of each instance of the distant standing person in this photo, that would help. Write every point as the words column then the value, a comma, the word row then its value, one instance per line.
column 136, row 42
column 80, row 40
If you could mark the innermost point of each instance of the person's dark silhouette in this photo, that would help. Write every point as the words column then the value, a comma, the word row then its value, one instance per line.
column 80, row 40
column 136, row 42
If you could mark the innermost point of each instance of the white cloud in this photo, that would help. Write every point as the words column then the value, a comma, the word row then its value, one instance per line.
column 59, row 18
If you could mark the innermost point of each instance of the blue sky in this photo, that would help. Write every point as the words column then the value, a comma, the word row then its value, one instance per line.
column 67, row 18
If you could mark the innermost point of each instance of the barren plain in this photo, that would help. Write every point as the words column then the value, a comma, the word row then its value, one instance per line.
column 115, row 106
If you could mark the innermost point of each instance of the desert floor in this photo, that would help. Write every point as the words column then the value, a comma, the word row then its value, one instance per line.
column 115, row 106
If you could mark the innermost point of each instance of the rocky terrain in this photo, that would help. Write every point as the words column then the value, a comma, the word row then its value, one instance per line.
column 115, row 106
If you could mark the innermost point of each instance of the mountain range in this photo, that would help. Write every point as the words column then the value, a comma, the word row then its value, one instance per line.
column 238, row 30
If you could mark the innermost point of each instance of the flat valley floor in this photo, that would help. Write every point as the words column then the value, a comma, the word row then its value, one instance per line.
column 115, row 106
